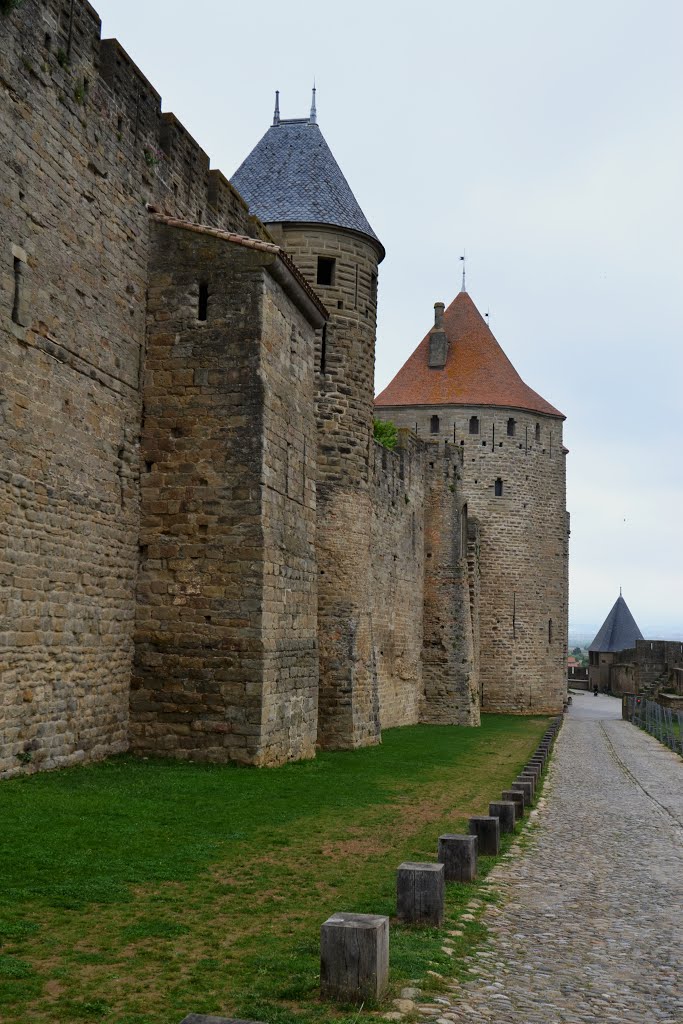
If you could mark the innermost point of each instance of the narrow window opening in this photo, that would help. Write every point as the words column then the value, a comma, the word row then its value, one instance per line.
column 48, row 41
column 373, row 288
column 498, row 488
column 511, row 427
column 340, row 303
column 355, row 298
column 16, row 304
column 550, row 631
column 434, row 425
column 474, row 424
column 538, row 431
column 200, row 216
column 323, row 349
column 326, row 267
column 203, row 308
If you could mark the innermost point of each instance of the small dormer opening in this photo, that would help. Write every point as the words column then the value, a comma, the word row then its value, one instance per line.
column 474, row 424
column 203, row 304
column 498, row 488
column 511, row 427
column 538, row 432
column 434, row 425
column 326, row 269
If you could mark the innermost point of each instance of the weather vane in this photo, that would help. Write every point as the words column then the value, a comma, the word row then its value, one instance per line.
column 462, row 260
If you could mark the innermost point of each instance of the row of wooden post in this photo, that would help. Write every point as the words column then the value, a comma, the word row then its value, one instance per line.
column 354, row 948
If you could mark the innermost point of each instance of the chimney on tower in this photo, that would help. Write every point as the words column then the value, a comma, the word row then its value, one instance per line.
column 438, row 342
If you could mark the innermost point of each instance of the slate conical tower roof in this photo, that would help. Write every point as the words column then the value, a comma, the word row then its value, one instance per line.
column 476, row 372
column 291, row 176
column 619, row 630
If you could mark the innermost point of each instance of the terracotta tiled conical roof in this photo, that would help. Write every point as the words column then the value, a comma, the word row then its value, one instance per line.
column 477, row 371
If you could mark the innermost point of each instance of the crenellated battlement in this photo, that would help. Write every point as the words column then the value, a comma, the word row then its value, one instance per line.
column 96, row 81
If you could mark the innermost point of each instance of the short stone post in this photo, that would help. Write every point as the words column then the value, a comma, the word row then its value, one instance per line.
column 517, row 799
column 525, row 788
column 506, row 813
column 487, row 831
column 458, row 854
column 354, row 957
column 201, row 1018
column 420, row 890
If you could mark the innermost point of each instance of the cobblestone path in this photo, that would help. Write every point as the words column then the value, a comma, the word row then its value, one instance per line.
column 590, row 928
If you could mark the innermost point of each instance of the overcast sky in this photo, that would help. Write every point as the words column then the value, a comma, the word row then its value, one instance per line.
column 543, row 138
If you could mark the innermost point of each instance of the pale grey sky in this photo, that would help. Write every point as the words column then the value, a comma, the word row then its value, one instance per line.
column 545, row 139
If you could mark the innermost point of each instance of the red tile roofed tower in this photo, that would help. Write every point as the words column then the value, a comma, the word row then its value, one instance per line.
column 293, row 183
column 458, row 385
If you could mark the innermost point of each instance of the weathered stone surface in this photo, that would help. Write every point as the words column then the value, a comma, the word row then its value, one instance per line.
column 458, row 854
column 354, row 957
column 420, row 893
column 523, row 546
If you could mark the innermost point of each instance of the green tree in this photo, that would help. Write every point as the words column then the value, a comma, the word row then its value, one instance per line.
column 386, row 433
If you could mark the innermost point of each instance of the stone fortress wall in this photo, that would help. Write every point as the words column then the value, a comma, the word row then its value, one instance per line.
column 84, row 148
column 203, row 553
column 523, row 545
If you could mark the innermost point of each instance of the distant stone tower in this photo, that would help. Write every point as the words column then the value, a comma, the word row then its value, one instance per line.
column 460, row 386
column 292, row 182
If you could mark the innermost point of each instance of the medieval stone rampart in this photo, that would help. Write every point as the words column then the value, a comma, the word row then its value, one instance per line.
column 84, row 148
column 513, row 483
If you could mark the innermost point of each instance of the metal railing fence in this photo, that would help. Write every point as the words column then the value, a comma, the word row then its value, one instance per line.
column 662, row 723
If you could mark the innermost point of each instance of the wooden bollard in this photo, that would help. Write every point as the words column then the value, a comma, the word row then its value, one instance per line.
column 506, row 813
column 201, row 1018
column 525, row 788
column 487, row 831
column 354, row 957
column 534, row 769
column 517, row 799
column 420, row 890
column 458, row 854
column 526, row 776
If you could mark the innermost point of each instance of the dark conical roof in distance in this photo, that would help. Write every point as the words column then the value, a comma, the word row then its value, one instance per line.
column 291, row 176
column 619, row 630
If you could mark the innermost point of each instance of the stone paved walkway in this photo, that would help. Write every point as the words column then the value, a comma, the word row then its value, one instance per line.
column 590, row 928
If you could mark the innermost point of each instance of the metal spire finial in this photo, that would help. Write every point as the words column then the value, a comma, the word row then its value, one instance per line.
column 276, row 114
column 463, row 288
column 313, row 119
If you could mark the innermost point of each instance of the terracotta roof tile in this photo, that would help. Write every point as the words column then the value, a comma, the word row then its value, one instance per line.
column 477, row 371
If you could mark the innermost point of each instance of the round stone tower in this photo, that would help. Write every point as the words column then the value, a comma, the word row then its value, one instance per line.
column 292, row 182
column 460, row 386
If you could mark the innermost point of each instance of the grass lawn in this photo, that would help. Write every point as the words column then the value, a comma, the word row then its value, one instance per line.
column 134, row 892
